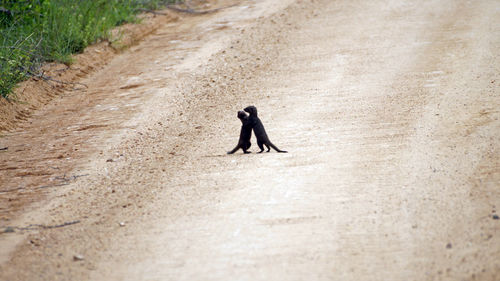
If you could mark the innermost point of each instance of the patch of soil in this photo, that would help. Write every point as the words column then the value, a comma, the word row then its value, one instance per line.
column 36, row 92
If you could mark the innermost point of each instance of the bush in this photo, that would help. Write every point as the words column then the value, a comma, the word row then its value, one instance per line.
column 37, row 31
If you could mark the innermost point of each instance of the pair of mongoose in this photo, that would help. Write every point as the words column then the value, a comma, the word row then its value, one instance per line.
column 247, row 124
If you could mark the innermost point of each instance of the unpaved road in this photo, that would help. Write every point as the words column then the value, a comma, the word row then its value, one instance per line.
column 390, row 113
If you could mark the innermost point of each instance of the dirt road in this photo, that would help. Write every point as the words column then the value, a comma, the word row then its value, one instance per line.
column 389, row 111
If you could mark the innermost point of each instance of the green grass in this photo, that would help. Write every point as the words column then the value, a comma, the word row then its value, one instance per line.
column 33, row 32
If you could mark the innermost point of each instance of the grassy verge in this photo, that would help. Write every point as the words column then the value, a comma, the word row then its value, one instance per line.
column 33, row 32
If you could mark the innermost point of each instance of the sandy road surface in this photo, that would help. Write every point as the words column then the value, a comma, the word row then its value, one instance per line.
column 389, row 110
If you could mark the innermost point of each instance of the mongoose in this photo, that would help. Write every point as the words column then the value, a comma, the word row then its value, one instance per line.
column 245, row 134
column 259, row 131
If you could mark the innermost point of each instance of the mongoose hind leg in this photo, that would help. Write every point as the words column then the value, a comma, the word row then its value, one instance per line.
column 247, row 146
column 261, row 146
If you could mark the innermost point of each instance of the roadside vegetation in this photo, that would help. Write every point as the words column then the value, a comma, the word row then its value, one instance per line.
column 33, row 32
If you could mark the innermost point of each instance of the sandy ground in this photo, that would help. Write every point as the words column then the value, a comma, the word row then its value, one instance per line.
column 389, row 111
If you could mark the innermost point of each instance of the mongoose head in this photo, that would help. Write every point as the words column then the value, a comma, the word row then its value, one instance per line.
column 252, row 110
column 242, row 115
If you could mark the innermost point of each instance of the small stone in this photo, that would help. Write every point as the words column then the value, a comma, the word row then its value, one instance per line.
column 35, row 243
column 121, row 224
column 495, row 217
column 448, row 246
column 78, row 258
column 9, row 229
column 110, row 160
